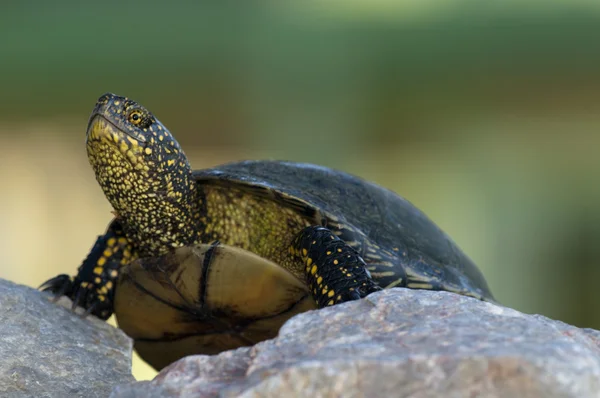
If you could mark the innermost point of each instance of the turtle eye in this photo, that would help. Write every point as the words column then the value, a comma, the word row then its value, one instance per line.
column 135, row 117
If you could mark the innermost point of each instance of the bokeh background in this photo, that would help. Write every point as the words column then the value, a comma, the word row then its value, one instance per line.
column 486, row 115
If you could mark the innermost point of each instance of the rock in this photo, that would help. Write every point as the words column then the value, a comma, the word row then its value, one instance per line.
column 398, row 342
column 47, row 351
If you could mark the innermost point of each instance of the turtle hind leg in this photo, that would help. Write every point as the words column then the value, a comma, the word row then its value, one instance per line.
column 94, row 285
column 335, row 272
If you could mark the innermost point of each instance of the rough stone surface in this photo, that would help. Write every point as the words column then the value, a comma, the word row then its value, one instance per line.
column 47, row 351
column 397, row 342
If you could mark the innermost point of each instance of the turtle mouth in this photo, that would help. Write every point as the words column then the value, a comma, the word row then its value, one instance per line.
column 103, row 134
column 100, row 126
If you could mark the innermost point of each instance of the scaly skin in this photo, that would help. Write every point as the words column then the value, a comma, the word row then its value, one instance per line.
column 159, row 206
column 145, row 176
column 147, row 179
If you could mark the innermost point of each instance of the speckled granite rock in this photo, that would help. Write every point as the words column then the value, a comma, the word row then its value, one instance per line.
column 47, row 351
column 397, row 342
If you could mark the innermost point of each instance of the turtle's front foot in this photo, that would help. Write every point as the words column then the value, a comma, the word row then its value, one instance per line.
column 82, row 294
column 61, row 285
column 94, row 286
column 335, row 272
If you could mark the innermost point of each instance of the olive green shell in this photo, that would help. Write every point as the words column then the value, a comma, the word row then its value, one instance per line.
column 212, row 297
column 418, row 249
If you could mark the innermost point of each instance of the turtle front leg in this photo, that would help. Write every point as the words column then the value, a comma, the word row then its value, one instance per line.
column 335, row 272
column 94, row 285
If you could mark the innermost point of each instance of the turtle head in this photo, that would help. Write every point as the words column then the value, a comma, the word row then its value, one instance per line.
column 144, row 174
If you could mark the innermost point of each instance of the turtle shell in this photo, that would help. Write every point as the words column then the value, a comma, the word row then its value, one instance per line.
column 207, row 298
column 403, row 245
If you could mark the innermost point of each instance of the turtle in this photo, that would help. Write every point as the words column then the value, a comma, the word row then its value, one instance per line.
column 204, row 261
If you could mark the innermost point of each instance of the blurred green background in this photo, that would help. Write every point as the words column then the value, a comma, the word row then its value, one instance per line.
column 485, row 116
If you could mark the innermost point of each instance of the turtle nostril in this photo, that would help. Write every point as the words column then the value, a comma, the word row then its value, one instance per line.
column 104, row 98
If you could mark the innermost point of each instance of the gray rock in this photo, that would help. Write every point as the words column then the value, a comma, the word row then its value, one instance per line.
column 47, row 351
column 398, row 342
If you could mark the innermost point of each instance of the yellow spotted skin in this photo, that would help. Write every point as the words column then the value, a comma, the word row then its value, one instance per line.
column 148, row 181
column 116, row 253
column 160, row 206
column 145, row 176
column 260, row 225
column 341, row 237
column 335, row 272
column 94, row 285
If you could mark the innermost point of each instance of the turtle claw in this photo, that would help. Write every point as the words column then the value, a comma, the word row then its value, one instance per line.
column 359, row 292
column 92, row 288
column 90, row 310
column 79, row 298
column 59, row 286
column 64, row 285
column 364, row 291
column 88, row 300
